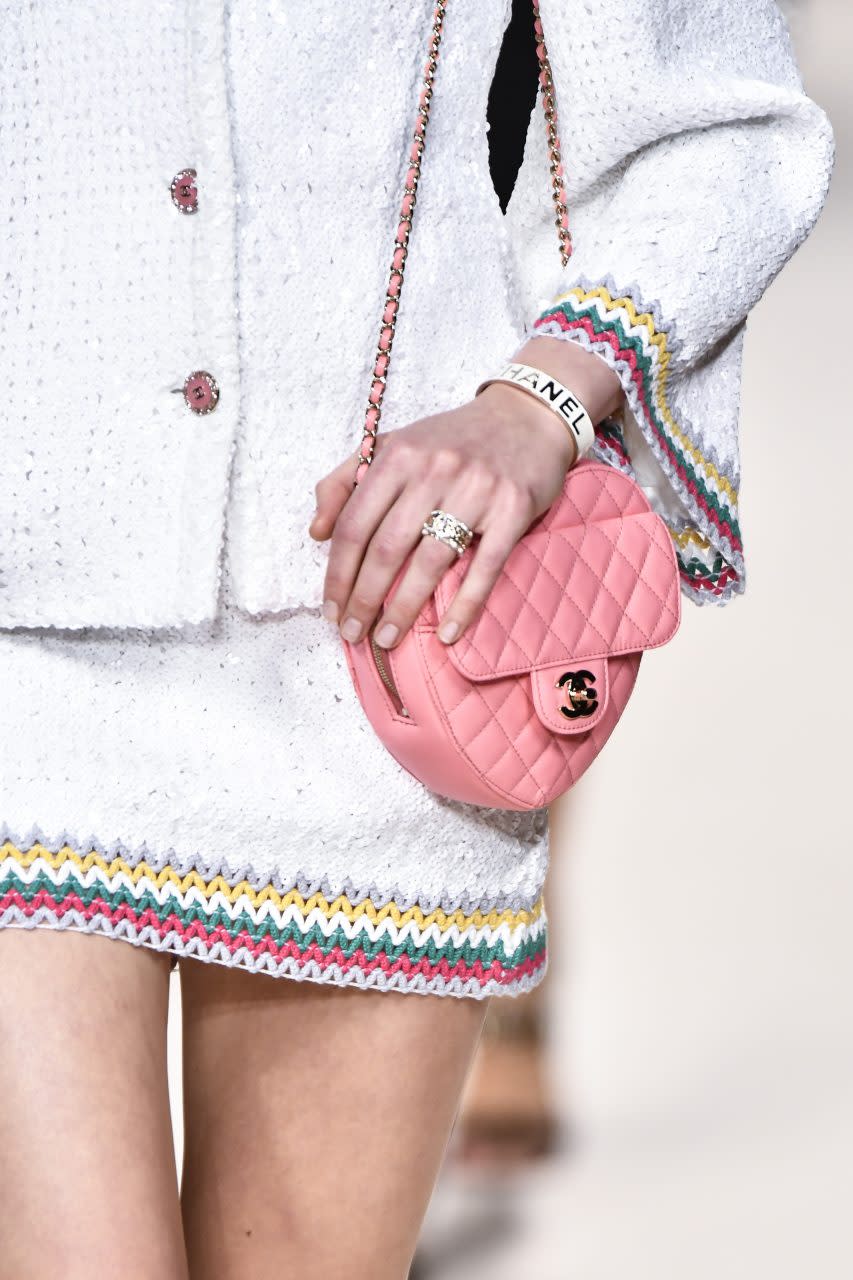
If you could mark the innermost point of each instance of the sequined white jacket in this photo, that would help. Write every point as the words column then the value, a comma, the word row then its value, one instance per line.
column 695, row 166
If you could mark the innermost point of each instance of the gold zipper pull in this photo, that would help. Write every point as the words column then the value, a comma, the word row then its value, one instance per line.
column 384, row 669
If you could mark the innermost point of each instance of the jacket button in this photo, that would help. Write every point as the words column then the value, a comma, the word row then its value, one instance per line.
column 184, row 191
column 201, row 391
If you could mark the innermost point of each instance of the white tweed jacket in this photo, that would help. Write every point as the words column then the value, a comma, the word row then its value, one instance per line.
column 695, row 166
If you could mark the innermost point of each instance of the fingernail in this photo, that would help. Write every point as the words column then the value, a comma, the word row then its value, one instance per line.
column 330, row 611
column 351, row 629
column 448, row 631
column 387, row 634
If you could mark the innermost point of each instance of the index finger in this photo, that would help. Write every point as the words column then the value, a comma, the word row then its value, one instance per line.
column 354, row 527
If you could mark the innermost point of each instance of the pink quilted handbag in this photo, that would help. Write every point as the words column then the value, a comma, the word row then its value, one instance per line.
column 513, row 713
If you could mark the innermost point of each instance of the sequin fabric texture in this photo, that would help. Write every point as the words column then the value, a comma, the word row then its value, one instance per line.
column 198, row 207
column 254, row 818
column 297, row 119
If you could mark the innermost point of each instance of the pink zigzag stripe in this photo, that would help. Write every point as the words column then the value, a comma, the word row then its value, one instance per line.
column 582, row 322
column 496, row 972
column 614, row 446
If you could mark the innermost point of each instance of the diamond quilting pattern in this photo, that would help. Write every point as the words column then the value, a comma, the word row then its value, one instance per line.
column 596, row 576
column 495, row 726
column 596, row 579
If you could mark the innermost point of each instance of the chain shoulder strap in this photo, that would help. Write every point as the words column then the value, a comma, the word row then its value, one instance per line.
column 394, row 291
column 555, row 157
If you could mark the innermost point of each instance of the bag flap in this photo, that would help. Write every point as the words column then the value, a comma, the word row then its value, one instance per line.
column 570, row 594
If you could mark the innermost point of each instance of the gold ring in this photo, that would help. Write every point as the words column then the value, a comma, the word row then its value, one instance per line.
column 449, row 529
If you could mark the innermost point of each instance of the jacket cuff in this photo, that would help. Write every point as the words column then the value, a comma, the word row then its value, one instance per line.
column 637, row 343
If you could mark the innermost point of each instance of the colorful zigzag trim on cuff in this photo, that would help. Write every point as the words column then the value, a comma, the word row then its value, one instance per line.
column 631, row 337
column 343, row 939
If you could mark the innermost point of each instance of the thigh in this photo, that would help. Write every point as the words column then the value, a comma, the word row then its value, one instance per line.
column 86, row 1156
column 316, row 1118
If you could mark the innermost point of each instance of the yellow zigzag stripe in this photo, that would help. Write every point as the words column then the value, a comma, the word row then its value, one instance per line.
column 685, row 536
column 657, row 340
column 339, row 906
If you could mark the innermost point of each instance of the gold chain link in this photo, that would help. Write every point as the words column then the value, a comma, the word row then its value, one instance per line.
column 555, row 159
column 373, row 413
column 394, row 291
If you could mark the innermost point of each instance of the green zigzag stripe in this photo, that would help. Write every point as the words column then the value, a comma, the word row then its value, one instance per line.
column 645, row 363
column 485, row 952
column 695, row 568
column 610, row 433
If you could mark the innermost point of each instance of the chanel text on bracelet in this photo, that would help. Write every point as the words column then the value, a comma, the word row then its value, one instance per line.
column 559, row 398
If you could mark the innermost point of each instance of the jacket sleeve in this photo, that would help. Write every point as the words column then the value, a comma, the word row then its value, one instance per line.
column 694, row 167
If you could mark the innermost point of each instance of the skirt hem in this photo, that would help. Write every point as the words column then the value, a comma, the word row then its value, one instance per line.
column 262, row 930
column 456, row 988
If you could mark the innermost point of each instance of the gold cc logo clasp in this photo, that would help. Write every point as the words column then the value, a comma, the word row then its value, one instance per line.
column 582, row 701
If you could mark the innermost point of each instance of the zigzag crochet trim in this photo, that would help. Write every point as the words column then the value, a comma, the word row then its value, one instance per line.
column 257, row 926
column 609, row 445
column 633, row 339
column 210, row 868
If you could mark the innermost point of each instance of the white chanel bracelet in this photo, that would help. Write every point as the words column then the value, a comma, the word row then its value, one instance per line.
column 559, row 398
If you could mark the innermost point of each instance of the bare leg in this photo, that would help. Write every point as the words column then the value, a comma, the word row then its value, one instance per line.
column 315, row 1122
column 86, row 1157
column 508, row 1115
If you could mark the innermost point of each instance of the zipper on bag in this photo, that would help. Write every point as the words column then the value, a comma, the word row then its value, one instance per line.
column 384, row 668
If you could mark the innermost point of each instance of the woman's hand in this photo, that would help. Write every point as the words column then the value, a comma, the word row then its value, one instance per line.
column 496, row 463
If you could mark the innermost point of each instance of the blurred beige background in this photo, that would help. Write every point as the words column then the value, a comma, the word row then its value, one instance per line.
column 702, row 1022
column 701, row 983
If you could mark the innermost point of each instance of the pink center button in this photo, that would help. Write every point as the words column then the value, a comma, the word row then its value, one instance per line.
column 201, row 391
column 184, row 191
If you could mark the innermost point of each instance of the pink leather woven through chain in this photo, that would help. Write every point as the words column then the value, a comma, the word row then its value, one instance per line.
column 393, row 293
column 514, row 712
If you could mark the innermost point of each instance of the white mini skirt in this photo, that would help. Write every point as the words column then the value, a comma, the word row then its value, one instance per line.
column 217, row 792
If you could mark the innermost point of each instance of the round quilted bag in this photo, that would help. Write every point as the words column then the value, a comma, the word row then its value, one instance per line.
column 515, row 711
